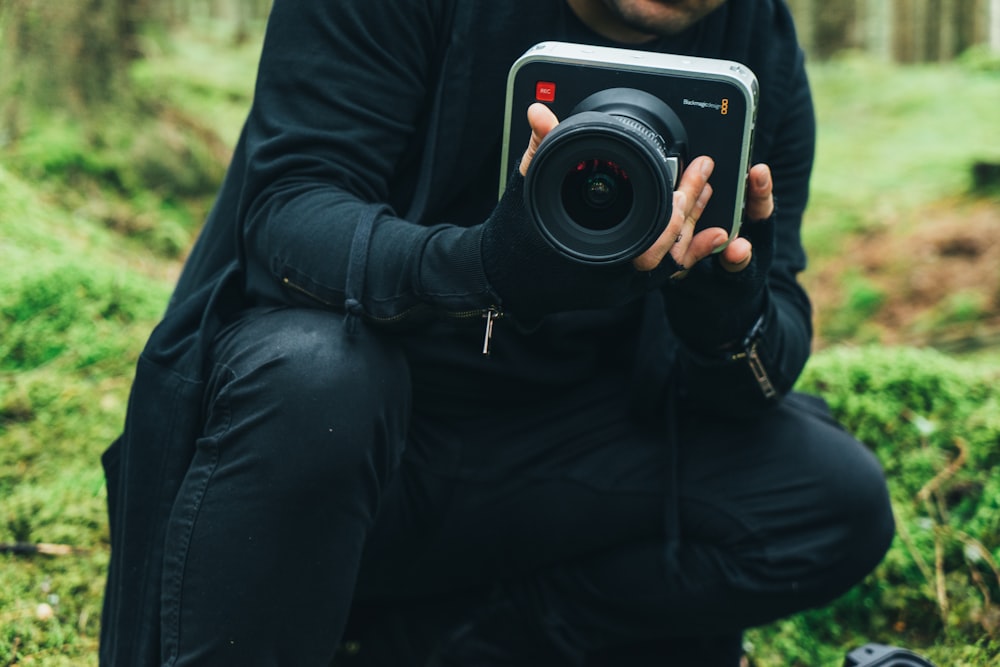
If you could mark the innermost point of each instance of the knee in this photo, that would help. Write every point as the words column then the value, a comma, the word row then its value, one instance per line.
column 319, row 364
column 836, row 521
column 322, row 399
column 355, row 385
column 854, row 525
column 865, row 512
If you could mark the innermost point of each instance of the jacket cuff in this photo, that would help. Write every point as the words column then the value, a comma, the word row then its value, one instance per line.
column 713, row 321
column 449, row 270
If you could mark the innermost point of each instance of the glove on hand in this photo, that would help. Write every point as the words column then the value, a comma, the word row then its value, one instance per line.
column 712, row 307
column 533, row 280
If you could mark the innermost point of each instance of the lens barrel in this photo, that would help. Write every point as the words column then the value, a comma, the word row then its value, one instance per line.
column 600, row 187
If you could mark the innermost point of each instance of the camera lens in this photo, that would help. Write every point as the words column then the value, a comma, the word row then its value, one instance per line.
column 600, row 186
column 597, row 194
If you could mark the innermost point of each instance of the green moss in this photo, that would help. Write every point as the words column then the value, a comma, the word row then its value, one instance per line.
column 934, row 423
column 72, row 312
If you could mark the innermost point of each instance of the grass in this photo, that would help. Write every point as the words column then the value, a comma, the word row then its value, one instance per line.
column 216, row 96
column 74, row 312
column 893, row 140
column 92, row 244
column 89, row 252
column 934, row 423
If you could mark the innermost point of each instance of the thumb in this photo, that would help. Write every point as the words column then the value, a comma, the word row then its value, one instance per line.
column 542, row 120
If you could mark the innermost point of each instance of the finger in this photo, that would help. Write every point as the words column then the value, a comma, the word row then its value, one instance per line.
column 684, row 238
column 760, row 197
column 542, row 120
column 689, row 200
column 702, row 245
column 669, row 237
column 737, row 255
column 695, row 178
column 696, row 190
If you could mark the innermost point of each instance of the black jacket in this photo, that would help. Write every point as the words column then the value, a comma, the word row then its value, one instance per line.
column 372, row 144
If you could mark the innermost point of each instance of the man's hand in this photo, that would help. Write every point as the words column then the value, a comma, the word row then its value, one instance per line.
column 679, row 239
column 720, row 301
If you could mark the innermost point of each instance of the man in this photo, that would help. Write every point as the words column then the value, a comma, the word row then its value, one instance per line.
column 314, row 435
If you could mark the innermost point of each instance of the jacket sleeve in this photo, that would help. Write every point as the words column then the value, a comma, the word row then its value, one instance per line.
column 762, row 364
column 342, row 96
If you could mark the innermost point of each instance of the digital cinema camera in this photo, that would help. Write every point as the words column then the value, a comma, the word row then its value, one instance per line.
column 600, row 187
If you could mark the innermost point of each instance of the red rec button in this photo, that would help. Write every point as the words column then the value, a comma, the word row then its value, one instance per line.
column 545, row 91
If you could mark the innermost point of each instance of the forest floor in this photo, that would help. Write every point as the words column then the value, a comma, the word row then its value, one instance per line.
column 935, row 283
column 902, row 254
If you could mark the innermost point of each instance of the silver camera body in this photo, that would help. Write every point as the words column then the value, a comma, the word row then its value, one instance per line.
column 600, row 187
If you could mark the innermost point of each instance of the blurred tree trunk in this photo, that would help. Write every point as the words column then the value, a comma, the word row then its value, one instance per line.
column 805, row 20
column 898, row 30
column 834, row 28
column 241, row 16
column 994, row 23
column 880, row 21
column 904, row 38
column 71, row 56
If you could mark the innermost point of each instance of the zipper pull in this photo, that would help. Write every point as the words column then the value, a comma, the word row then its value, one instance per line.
column 760, row 373
column 756, row 364
column 491, row 314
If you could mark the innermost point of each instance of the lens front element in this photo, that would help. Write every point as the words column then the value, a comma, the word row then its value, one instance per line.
column 597, row 194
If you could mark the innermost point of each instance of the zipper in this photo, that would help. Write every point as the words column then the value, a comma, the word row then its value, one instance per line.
column 491, row 314
column 756, row 364
column 759, row 372
column 302, row 290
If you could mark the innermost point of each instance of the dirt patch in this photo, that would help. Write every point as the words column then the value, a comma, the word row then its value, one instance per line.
column 931, row 281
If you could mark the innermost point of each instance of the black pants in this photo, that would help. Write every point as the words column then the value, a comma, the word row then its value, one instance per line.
column 538, row 534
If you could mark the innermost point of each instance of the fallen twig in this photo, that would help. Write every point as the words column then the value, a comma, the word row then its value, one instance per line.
column 41, row 549
column 946, row 474
column 918, row 558
column 980, row 549
column 939, row 578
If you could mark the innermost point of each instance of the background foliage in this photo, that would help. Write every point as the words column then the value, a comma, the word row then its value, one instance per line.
column 934, row 423
column 102, row 192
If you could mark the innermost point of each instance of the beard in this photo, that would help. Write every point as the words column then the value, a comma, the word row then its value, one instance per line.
column 661, row 17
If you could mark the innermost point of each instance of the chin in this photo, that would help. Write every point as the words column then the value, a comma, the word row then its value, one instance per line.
column 662, row 17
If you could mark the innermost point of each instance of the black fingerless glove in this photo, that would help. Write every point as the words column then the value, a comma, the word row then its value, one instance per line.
column 533, row 280
column 711, row 308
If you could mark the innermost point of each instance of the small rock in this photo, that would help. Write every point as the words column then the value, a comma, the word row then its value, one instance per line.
column 44, row 611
